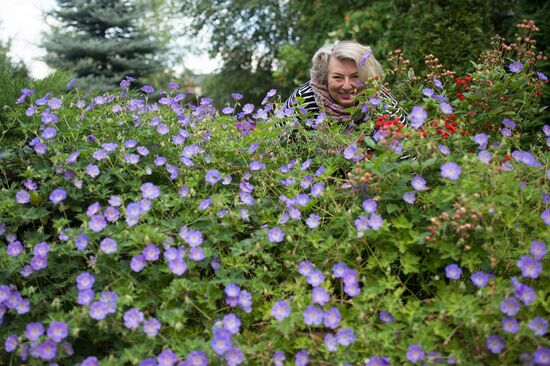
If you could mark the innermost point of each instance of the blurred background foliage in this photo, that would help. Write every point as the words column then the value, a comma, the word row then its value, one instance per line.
column 266, row 44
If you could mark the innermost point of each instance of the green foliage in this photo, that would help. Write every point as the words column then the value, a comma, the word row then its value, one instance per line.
column 101, row 42
column 233, row 183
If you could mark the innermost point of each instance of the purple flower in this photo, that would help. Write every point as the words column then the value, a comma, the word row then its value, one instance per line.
column 232, row 323
column 345, row 336
column 386, row 317
column 232, row 290
column 92, row 170
column 415, row 353
column 523, row 292
column 305, row 268
column 137, row 263
column 47, row 350
column 376, row 222
column 111, row 214
column 97, row 223
column 538, row 249
column 530, row 267
column 151, row 253
column 409, row 197
column 339, row 269
column 443, row 149
column 85, row 281
column 245, row 301
column 369, row 206
column 278, row 358
column 221, row 341
column 481, row 139
column 541, row 356
column 330, row 342
column 331, row 318
column 276, row 235
column 177, row 266
column 378, row 361
column 234, row 356
column 429, row 92
column 417, row 117
column 484, row 157
column 213, row 176
column 495, row 344
column 85, row 297
column 58, row 195
column 545, row 215
column 280, row 310
column 450, row 170
column 418, row 183
column 315, row 278
column 150, row 191
column 445, row 108
column 14, row 248
column 509, row 306
column 108, row 245
column 510, row 325
column 167, row 358
column 453, row 271
column 33, row 331
column 256, row 165
column 438, row 83
column 313, row 315
column 133, row 318
column 148, row 89
column 205, row 203
column 515, row 67
column 11, row 342
column 302, row 358
column 196, row 358
column 479, row 279
column 320, row 296
column 539, row 326
column 57, row 331
column 196, row 254
column 193, row 238
column 317, row 189
column 353, row 153
column 313, row 221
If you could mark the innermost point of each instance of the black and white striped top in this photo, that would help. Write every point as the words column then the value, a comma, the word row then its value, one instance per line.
column 391, row 106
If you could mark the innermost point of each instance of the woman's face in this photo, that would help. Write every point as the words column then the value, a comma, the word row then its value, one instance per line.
column 343, row 81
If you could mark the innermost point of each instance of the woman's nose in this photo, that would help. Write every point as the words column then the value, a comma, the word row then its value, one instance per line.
column 347, row 84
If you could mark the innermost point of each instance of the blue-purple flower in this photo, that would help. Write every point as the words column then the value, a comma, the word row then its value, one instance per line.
column 453, row 271
column 276, row 235
column 417, row 117
column 415, row 353
column 495, row 344
column 58, row 195
column 515, row 67
column 450, row 170
column 529, row 266
column 280, row 310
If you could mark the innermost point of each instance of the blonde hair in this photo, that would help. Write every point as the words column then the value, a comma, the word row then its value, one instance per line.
column 345, row 50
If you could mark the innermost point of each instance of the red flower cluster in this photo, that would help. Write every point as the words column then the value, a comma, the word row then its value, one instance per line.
column 462, row 84
column 450, row 126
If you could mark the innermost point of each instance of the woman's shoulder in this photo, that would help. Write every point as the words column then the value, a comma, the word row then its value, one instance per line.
column 305, row 93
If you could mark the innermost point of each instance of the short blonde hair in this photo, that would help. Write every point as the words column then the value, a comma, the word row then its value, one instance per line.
column 345, row 50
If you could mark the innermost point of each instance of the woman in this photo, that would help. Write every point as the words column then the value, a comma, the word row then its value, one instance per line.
column 338, row 75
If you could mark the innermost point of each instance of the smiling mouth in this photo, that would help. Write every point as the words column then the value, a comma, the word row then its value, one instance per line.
column 346, row 96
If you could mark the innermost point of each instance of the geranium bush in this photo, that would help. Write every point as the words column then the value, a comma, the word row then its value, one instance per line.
column 167, row 232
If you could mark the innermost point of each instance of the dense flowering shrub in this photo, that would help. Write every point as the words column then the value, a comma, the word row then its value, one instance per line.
column 139, row 232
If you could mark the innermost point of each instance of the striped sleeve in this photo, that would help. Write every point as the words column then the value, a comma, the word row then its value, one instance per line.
column 392, row 106
column 306, row 93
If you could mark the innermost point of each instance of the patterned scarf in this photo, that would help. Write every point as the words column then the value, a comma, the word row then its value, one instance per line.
column 327, row 104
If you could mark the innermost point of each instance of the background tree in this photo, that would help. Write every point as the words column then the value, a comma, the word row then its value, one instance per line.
column 102, row 41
